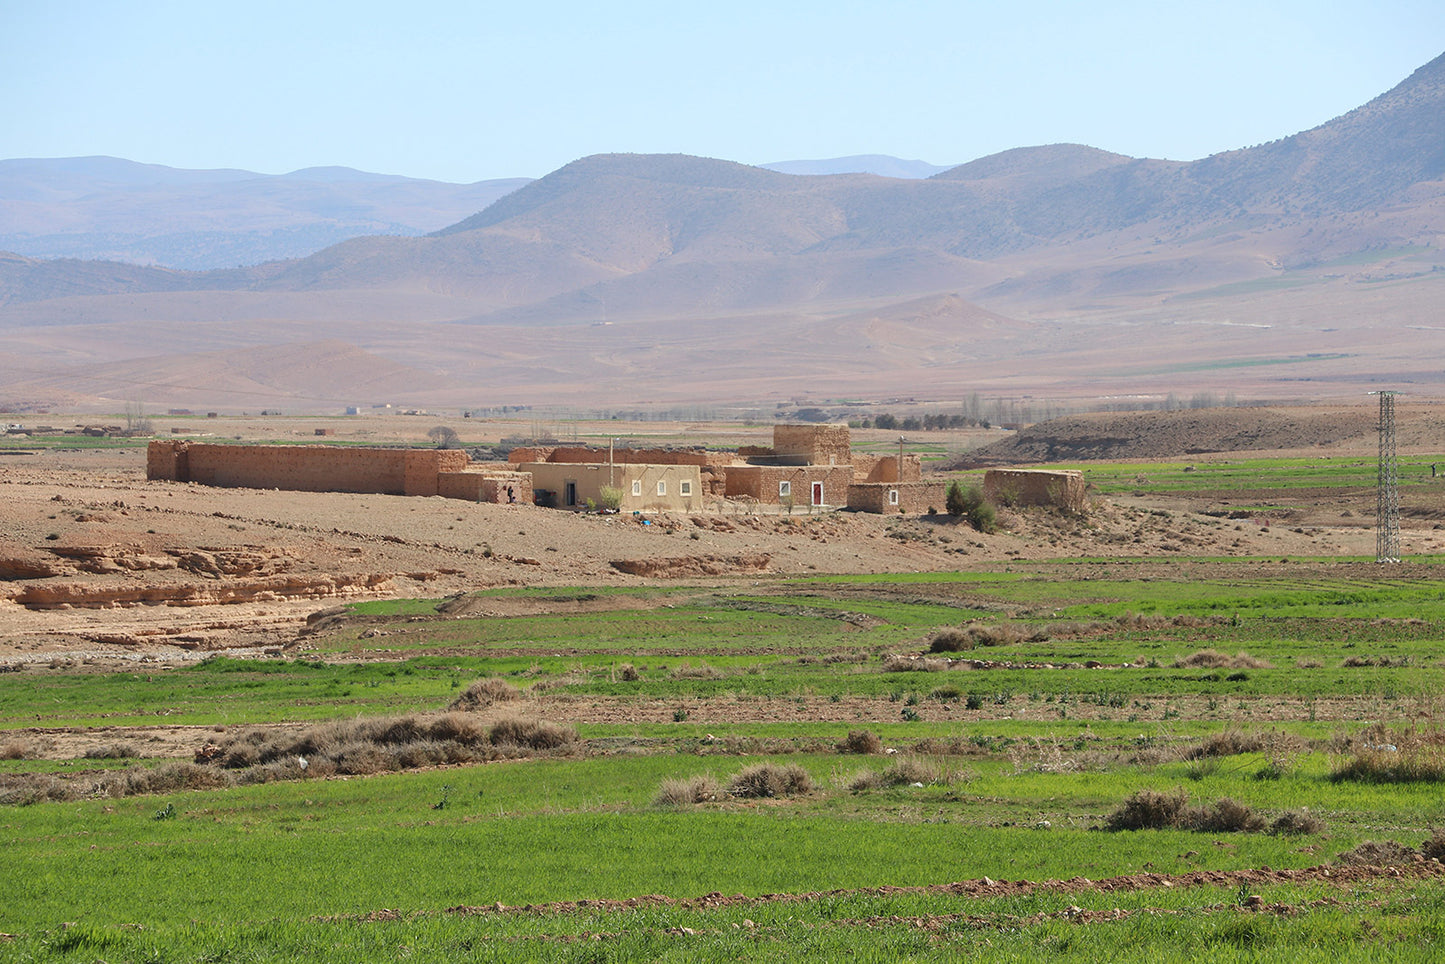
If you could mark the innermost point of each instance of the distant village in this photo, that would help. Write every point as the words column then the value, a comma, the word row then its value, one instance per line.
column 808, row 468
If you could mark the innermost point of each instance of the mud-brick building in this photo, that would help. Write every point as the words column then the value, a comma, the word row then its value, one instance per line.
column 1064, row 488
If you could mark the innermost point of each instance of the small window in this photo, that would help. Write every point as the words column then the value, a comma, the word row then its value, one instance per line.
column 785, row 489
column 684, row 488
column 662, row 487
column 636, row 486
column 892, row 496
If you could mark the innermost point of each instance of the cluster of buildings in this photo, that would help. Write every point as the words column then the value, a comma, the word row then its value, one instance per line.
column 807, row 468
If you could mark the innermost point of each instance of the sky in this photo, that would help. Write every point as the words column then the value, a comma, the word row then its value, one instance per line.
column 468, row 91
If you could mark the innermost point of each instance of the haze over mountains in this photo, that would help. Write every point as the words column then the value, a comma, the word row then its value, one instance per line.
column 1309, row 266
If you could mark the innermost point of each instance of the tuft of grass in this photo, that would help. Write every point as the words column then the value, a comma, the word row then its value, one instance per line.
column 951, row 640
column 1293, row 823
column 1373, row 853
column 532, row 734
column 696, row 671
column 913, row 664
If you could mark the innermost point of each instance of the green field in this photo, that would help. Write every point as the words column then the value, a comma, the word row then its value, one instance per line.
column 1008, row 763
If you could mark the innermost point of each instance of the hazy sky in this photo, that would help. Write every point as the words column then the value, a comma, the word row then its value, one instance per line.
column 472, row 90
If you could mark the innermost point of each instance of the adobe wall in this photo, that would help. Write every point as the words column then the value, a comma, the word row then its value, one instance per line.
column 761, row 482
column 303, row 468
column 813, row 444
column 914, row 497
column 486, row 487
column 577, row 455
column 1064, row 488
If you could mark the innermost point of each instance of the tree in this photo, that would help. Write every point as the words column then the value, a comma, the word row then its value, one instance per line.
column 444, row 437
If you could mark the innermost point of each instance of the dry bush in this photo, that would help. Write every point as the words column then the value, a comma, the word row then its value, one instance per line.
column 1214, row 659
column 485, row 692
column 1003, row 634
column 770, row 780
column 458, row 728
column 699, row 671
column 861, row 741
column 686, row 791
column 1228, row 743
column 915, row 769
column 1297, row 823
column 1150, row 810
column 913, row 664
column 1225, row 816
column 628, row 673
column 1374, row 854
column 531, row 734
column 1421, row 763
column 950, row 640
column 865, row 780
column 15, row 750
column 170, row 778
column 24, row 789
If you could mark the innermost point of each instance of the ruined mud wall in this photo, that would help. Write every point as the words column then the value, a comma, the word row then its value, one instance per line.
column 303, row 468
column 486, row 486
column 1062, row 488
column 911, row 497
column 813, row 444
column 884, row 468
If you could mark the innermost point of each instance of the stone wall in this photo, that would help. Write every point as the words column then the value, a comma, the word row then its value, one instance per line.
column 578, row 455
column 885, row 497
column 884, row 468
column 1064, row 488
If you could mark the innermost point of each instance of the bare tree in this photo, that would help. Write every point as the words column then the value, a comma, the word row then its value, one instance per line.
column 444, row 437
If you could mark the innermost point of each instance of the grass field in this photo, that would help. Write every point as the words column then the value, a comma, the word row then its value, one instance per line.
column 1295, row 692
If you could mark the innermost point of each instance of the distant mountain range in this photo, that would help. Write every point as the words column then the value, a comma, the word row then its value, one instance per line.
column 105, row 208
column 1311, row 265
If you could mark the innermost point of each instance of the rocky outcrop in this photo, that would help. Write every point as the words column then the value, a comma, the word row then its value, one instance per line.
column 682, row 567
column 77, row 595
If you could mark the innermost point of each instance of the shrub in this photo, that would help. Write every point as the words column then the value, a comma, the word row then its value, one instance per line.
column 1003, row 634
column 699, row 671
column 861, row 741
column 15, row 750
column 1149, row 810
column 485, row 692
column 1228, row 743
column 1297, row 823
column 770, row 780
column 112, row 751
column 628, row 673
column 686, row 791
column 1213, row 659
column 532, row 734
column 950, row 640
column 865, row 780
column 912, row 664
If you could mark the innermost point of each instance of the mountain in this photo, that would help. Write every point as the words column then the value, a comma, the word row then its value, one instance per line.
column 106, row 208
column 880, row 164
column 1308, row 266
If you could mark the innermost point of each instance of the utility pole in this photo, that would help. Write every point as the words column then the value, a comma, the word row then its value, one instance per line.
column 1387, row 489
column 900, row 458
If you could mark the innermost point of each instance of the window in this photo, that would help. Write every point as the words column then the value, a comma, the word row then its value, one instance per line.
column 636, row 486
column 684, row 488
column 785, row 489
column 662, row 487
column 892, row 496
